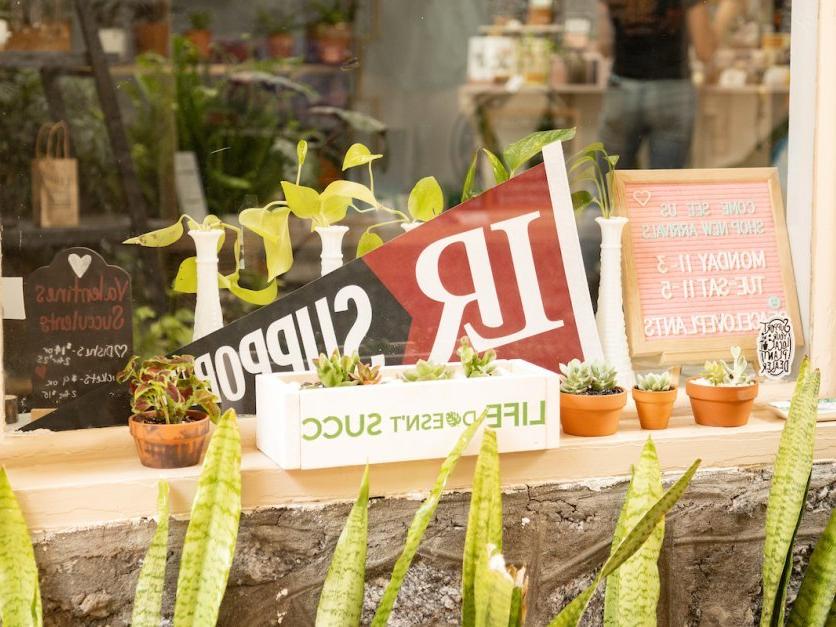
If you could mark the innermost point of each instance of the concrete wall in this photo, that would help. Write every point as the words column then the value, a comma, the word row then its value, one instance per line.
column 710, row 562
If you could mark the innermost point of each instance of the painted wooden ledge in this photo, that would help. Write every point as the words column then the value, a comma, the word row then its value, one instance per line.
column 72, row 479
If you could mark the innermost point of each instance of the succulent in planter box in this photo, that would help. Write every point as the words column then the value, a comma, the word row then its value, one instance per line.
column 654, row 395
column 590, row 399
column 427, row 371
column 335, row 371
column 474, row 364
column 723, row 394
column 171, row 408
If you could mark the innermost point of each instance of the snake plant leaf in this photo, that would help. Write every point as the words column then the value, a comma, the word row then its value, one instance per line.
column 369, row 241
column 20, row 595
column 350, row 189
column 500, row 174
column 633, row 541
column 303, row 201
column 272, row 226
column 148, row 598
column 358, row 154
column 213, row 528
column 484, row 522
column 341, row 600
column 470, row 178
column 419, row 525
column 818, row 589
column 787, row 494
column 497, row 599
column 517, row 154
column 426, row 200
column 164, row 236
column 633, row 590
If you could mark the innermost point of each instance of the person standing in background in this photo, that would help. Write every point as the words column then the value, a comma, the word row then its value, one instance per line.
column 650, row 94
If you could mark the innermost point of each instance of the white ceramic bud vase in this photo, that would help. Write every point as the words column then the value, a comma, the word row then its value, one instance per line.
column 208, row 316
column 610, row 314
column 332, row 247
column 408, row 226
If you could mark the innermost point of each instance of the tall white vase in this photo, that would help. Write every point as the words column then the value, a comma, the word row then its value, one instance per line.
column 610, row 315
column 408, row 226
column 332, row 247
column 208, row 316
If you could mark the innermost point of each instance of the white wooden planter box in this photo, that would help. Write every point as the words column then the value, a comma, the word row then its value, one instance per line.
column 400, row 421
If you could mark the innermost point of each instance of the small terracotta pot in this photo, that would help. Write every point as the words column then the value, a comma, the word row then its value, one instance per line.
column 151, row 37
column 333, row 43
column 170, row 446
column 279, row 45
column 202, row 41
column 721, row 406
column 591, row 415
column 654, row 408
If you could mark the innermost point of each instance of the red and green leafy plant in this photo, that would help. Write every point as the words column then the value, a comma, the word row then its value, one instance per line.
column 168, row 387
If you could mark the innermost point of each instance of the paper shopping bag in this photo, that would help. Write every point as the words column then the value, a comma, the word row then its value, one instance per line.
column 54, row 178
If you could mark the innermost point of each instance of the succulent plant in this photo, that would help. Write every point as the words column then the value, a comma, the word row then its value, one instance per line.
column 427, row 371
column 654, row 381
column 721, row 373
column 588, row 377
column 366, row 374
column 475, row 365
column 335, row 371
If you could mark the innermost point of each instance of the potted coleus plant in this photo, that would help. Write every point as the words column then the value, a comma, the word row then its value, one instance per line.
column 200, row 33
column 171, row 409
column 654, row 395
column 590, row 398
column 723, row 395
column 277, row 29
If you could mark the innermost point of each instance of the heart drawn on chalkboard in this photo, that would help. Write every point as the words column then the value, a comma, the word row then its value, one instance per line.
column 79, row 264
column 642, row 197
column 121, row 350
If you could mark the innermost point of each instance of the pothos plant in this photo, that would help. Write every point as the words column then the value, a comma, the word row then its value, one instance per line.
column 592, row 166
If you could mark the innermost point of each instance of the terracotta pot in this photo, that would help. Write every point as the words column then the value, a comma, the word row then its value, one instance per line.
column 279, row 45
column 151, row 37
column 721, row 406
column 202, row 41
column 170, row 446
column 654, row 408
column 589, row 415
column 333, row 43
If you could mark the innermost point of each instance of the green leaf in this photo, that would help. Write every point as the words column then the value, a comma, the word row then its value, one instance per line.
column 161, row 237
column 358, row 154
column 484, row 522
column 185, row 281
column 426, row 200
column 498, row 590
column 20, row 595
column 355, row 119
column 301, row 152
column 633, row 590
column 581, row 200
column 517, row 154
column 369, row 241
column 818, row 589
column 334, row 209
column 469, row 179
column 500, row 174
column 635, row 538
column 341, row 600
column 788, row 491
column 213, row 528
column 148, row 597
column 303, row 201
column 350, row 189
column 272, row 226
column 419, row 526
column 264, row 296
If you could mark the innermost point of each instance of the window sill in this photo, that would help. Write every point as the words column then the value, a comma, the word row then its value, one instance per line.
column 81, row 478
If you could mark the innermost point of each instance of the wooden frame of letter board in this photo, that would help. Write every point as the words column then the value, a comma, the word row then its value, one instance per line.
column 698, row 349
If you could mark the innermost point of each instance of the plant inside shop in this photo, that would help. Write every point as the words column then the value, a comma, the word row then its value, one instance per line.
column 427, row 371
column 723, row 394
column 172, row 408
column 590, row 398
column 474, row 364
column 654, row 394
column 276, row 25
column 200, row 33
column 330, row 30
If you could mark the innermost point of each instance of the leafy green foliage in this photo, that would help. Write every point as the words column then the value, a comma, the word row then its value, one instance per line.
column 788, row 493
column 586, row 377
column 160, row 335
column 335, row 371
column 341, row 600
column 213, row 529
column 167, row 386
column 20, row 595
column 358, row 154
column 369, row 241
column 633, row 589
column 474, row 364
column 427, row 371
column 654, row 381
column 817, row 597
column 721, row 373
column 426, row 200
column 200, row 20
column 148, row 597
column 585, row 167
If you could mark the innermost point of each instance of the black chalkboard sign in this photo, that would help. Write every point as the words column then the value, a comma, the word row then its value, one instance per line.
column 80, row 328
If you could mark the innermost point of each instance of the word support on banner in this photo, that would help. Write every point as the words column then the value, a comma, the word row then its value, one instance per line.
column 80, row 328
column 709, row 255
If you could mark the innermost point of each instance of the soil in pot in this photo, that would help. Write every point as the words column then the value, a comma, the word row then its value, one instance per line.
column 591, row 415
column 654, row 408
column 721, row 405
column 161, row 445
